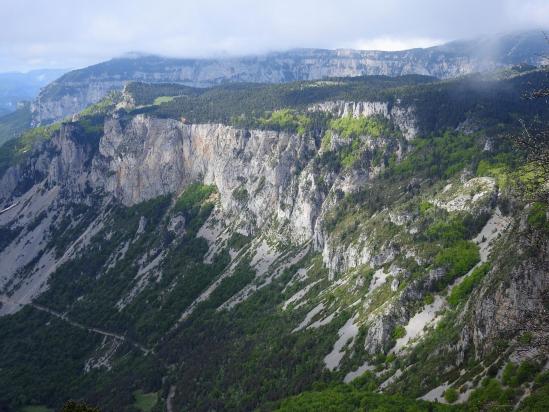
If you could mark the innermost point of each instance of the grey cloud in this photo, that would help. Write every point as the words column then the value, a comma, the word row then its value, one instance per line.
column 69, row 33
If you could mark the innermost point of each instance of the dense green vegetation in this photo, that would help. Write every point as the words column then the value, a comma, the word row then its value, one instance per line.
column 44, row 352
column 147, row 94
column 537, row 218
column 36, row 408
column 539, row 400
column 491, row 395
column 145, row 402
column 145, row 320
column 162, row 99
column 451, row 395
column 230, row 102
column 399, row 332
column 461, row 291
column 349, row 127
column 249, row 343
column 457, row 259
column 192, row 197
column 428, row 360
column 438, row 105
column 498, row 167
column 285, row 119
column 493, row 102
column 74, row 406
column 346, row 398
column 494, row 394
column 438, row 156
column 515, row 375
column 191, row 204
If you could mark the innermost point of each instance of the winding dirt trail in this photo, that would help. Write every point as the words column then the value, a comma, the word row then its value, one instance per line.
column 6, row 301
column 8, row 208
column 169, row 400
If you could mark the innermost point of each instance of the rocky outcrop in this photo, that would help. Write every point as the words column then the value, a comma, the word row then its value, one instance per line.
column 402, row 117
column 512, row 302
column 256, row 172
column 63, row 161
column 59, row 100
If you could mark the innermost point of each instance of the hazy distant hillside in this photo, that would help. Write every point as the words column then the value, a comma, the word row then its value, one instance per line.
column 80, row 88
column 14, row 123
column 15, row 87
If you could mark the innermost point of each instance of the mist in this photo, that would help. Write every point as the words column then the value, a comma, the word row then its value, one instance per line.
column 64, row 33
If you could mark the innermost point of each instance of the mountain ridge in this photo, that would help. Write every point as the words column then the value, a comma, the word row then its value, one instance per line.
column 80, row 88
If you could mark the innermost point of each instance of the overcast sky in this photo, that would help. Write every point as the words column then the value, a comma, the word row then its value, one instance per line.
column 76, row 33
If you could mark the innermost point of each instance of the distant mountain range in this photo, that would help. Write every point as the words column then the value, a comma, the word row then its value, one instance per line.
column 15, row 87
column 79, row 88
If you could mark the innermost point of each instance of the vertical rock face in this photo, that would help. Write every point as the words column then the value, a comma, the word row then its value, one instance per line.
column 345, row 108
column 513, row 303
column 402, row 117
column 64, row 160
column 149, row 157
column 76, row 97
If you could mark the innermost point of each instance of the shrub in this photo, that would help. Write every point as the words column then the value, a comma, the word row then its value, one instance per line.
column 526, row 371
column 72, row 406
column 537, row 218
column 451, row 395
column 285, row 119
column 490, row 396
column 437, row 156
column 192, row 204
column 509, row 374
column 338, row 397
column 461, row 291
column 525, row 338
column 515, row 375
column 538, row 401
column 447, row 230
column 237, row 241
column 542, row 379
column 163, row 99
column 457, row 259
column 350, row 155
column 193, row 195
column 499, row 170
column 240, row 194
column 429, row 299
column 399, row 332
column 349, row 127
column 326, row 140
column 424, row 207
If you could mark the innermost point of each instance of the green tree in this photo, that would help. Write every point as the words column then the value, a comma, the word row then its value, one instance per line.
column 74, row 406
